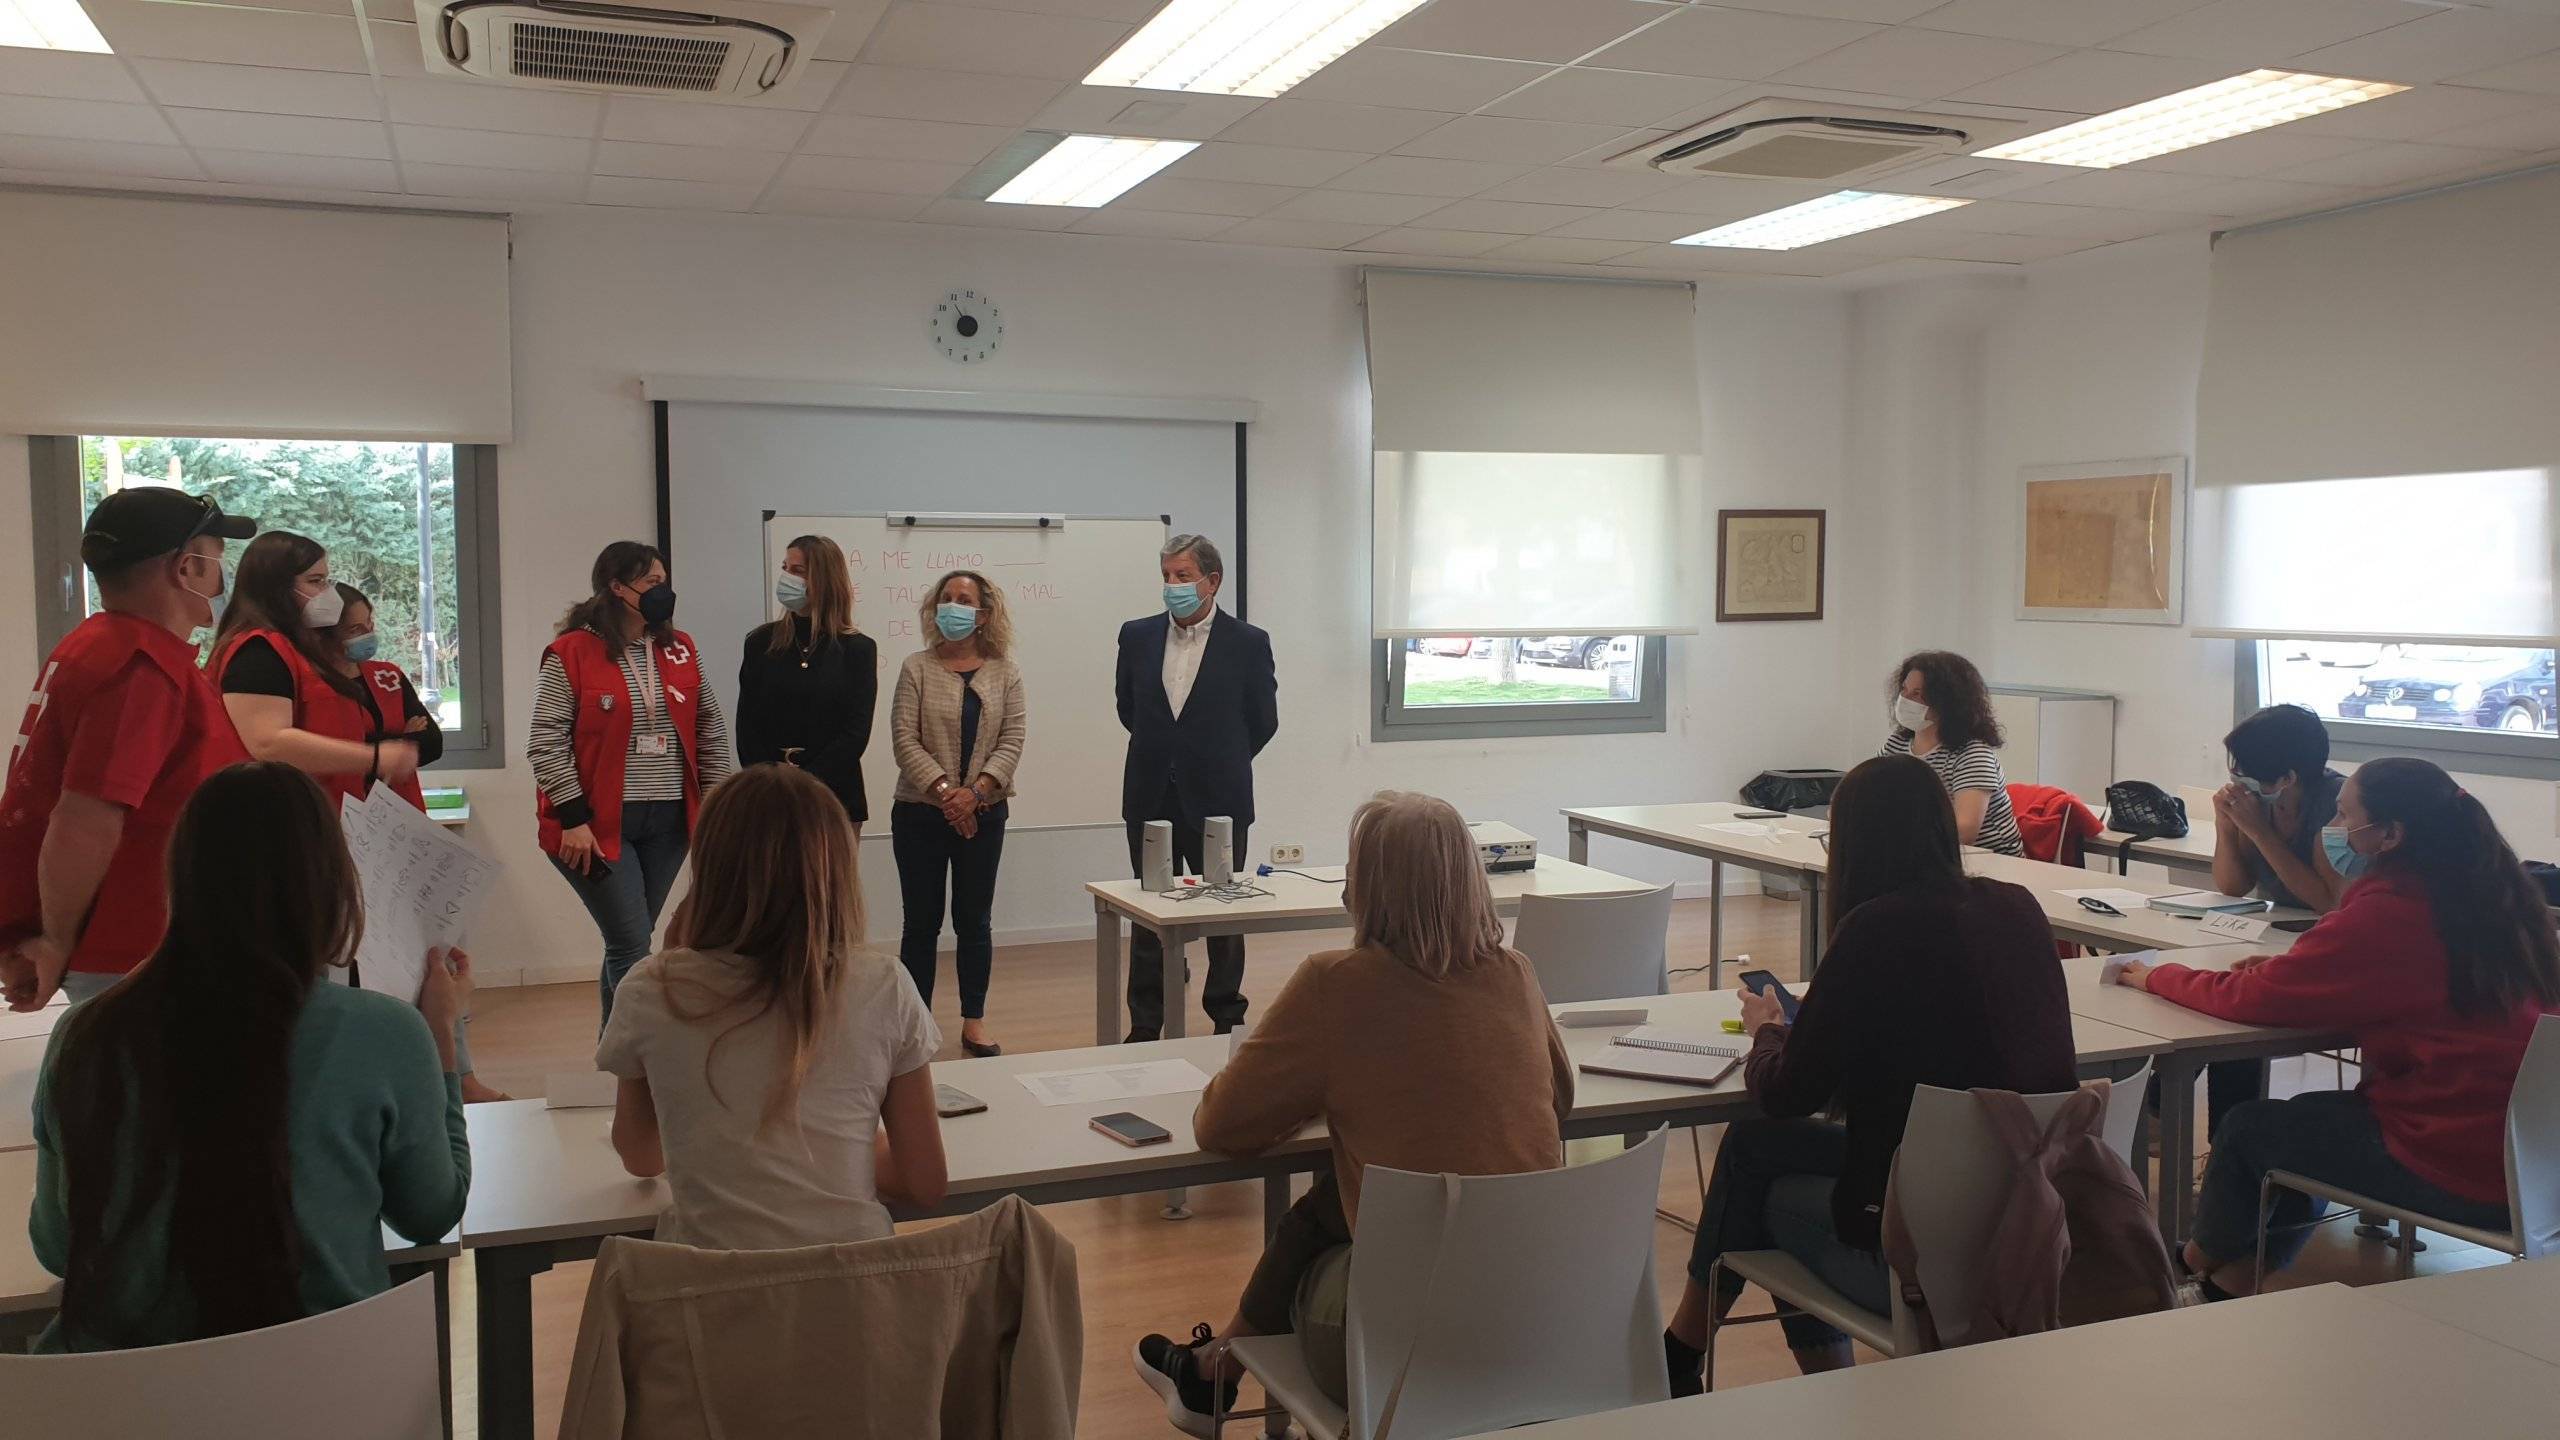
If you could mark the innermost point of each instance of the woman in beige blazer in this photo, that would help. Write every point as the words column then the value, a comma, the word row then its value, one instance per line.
column 956, row 726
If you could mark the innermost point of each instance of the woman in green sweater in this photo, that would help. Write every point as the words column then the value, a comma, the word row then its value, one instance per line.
column 221, row 1136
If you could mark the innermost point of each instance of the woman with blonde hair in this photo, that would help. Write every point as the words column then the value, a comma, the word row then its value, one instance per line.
column 1425, row 1046
column 773, row 1070
column 957, row 725
column 810, row 681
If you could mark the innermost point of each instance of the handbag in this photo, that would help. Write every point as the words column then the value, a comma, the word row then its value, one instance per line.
column 2145, row 811
column 1790, row 790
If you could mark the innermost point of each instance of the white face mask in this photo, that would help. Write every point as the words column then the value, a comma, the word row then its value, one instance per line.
column 322, row 610
column 1910, row 714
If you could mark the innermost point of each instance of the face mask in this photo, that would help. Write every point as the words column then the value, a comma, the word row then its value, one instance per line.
column 1183, row 600
column 657, row 607
column 1910, row 714
column 221, row 596
column 791, row 593
column 2264, row 790
column 956, row 622
column 364, row 647
column 2343, row 855
column 322, row 610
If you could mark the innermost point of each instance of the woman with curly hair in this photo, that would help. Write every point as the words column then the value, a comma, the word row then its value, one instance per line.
column 1942, row 717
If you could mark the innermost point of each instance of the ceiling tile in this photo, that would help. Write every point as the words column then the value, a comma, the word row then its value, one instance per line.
column 283, row 134
column 2264, row 32
column 489, row 149
column 1376, row 74
column 1430, row 242
column 1883, row 12
column 883, row 177
column 319, row 172
column 2089, row 82
column 483, row 183
column 850, row 30
column 83, row 120
column 2262, row 153
column 1923, row 64
column 2095, row 222
column 1127, row 12
column 1561, row 250
column 1812, row 261
column 1163, row 114
column 964, row 97
column 98, row 157
column 1332, row 125
column 1616, row 97
column 1152, row 224
column 2419, row 113
column 260, row 88
column 2053, row 22
column 670, row 194
column 1557, row 186
column 1960, row 245
column 1006, row 217
column 1632, row 225
column 991, row 42
column 697, row 163
column 1726, row 198
column 1617, row 145
column 685, row 122
column 815, row 87
column 1305, row 234
column 804, row 200
column 395, row 49
column 2534, row 130
column 2131, row 188
column 2395, row 164
column 1263, row 164
column 1207, row 197
column 1354, row 207
column 2254, row 199
column 465, row 106
column 1729, row 44
column 224, row 35
column 2539, row 75
column 1497, row 138
column 878, row 138
column 1503, row 217
column 66, row 75
column 1521, row 29
column 2438, row 46
column 1413, row 175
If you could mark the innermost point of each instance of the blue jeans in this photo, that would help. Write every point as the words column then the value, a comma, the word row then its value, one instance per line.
column 2328, row 1135
column 1772, row 1191
column 625, row 904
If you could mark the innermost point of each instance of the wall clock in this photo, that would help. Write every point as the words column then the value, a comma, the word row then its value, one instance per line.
column 967, row 327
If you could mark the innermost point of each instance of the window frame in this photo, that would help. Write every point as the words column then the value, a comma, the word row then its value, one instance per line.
column 1390, row 719
column 2474, row 752
column 53, row 470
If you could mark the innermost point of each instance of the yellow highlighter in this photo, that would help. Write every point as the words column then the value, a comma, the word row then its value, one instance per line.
column 1733, row 1027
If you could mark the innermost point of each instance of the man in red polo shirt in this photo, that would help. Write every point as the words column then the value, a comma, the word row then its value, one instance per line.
column 120, row 730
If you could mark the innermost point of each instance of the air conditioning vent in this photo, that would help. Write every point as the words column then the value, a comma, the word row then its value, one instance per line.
column 1807, row 152
column 1815, row 142
column 733, row 50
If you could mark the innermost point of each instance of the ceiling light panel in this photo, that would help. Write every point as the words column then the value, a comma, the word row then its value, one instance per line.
column 1843, row 212
column 1090, row 170
column 2200, row 116
column 50, row 25
column 1244, row 47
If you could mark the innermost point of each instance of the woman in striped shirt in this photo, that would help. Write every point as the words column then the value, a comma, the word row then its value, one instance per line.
column 626, row 738
column 1942, row 716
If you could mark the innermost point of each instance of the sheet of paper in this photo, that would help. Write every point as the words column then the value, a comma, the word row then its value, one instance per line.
column 1103, row 1083
column 2113, row 965
column 1751, row 828
column 419, row 887
column 2131, row 902
column 2248, row 929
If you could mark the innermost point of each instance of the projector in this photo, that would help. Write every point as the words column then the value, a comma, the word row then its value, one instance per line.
column 1502, row 848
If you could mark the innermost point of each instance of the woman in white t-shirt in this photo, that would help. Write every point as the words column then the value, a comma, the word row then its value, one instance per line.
column 1942, row 716
column 773, row 1070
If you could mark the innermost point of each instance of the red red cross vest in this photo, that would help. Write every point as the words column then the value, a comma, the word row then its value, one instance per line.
column 385, row 688
column 318, row 707
column 600, row 730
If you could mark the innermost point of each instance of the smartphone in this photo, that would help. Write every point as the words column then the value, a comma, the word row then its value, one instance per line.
column 598, row 870
column 2292, row 927
column 1759, row 815
column 1131, row 1130
column 950, row 1100
column 1761, row 982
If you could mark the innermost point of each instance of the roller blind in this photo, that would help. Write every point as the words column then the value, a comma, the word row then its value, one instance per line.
column 173, row 317
column 2378, row 423
column 1535, row 456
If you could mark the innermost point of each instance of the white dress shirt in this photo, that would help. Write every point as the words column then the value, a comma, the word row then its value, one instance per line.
column 1183, row 647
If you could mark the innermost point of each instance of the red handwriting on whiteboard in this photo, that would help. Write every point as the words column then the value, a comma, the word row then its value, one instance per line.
column 896, row 560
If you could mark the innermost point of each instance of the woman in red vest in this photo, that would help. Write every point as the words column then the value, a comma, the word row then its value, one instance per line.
column 626, row 737
column 291, row 696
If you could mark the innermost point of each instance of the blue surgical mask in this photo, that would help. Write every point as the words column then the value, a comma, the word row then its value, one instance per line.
column 1183, row 600
column 791, row 592
column 956, row 622
column 2343, row 855
column 364, row 647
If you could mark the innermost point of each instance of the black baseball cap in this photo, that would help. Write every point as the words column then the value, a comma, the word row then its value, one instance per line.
column 148, row 520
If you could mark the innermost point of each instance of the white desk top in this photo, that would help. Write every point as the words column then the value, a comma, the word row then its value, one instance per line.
column 1297, row 898
column 1688, row 828
column 2324, row 1361
column 2137, row 930
column 2195, row 848
column 18, row 1026
column 2176, row 1025
column 20, row 1061
column 543, row 1174
column 2517, row 1305
column 24, row 1284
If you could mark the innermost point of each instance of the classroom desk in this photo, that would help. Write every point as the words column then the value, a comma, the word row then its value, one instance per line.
column 20, row 1061
column 28, row 1292
column 2136, row 930
column 2322, row 1361
column 1688, row 829
column 1295, row 903
column 2516, row 1304
column 2194, row 852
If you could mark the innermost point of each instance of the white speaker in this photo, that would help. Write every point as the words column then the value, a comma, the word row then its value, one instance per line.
column 1218, row 850
column 1155, row 857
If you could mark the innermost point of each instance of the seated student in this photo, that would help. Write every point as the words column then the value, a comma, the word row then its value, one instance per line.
column 1931, row 978
column 1426, row 1046
column 773, row 1070
column 1942, row 715
column 220, row 1139
column 2439, row 962
column 2267, row 822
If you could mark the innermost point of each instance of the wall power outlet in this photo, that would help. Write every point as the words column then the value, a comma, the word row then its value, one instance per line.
column 1288, row 854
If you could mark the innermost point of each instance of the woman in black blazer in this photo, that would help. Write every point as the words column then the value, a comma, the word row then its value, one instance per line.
column 810, row 681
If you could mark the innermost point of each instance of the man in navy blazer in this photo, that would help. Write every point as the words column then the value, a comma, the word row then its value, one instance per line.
column 1199, row 699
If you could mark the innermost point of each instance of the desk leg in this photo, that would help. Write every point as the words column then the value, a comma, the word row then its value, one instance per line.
column 1809, row 926
column 1715, row 924
column 1106, row 974
column 505, row 1275
column 438, row 1273
column 1177, row 1023
column 1577, row 842
column 2177, row 1146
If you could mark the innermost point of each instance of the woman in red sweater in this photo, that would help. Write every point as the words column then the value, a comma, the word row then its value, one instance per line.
column 2438, row 961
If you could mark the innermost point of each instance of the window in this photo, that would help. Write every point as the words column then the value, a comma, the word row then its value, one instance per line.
column 1470, row 687
column 412, row 525
column 2471, row 707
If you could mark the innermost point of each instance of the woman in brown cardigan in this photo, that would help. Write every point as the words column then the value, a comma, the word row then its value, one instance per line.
column 956, row 726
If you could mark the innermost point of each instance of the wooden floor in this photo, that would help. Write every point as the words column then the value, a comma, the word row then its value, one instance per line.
column 1141, row 1272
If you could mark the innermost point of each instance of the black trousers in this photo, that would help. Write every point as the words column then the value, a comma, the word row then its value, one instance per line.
column 1308, row 1228
column 928, row 850
column 1223, row 998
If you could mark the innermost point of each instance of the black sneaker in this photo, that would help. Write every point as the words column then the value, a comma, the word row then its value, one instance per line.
column 1141, row 1037
column 1173, row 1371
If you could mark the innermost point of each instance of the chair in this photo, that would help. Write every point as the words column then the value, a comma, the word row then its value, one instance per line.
column 1483, row 1302
column 1597, row 947
column 1949, row 1195
column 2533, row 1172
column 363, row 1369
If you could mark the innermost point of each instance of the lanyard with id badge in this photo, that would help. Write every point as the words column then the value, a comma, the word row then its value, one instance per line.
column 649, row 738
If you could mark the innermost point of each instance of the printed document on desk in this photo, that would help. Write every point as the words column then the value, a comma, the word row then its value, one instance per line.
column 1134, row 1080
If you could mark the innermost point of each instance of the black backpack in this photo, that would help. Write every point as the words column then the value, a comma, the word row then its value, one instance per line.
column 2145, row 811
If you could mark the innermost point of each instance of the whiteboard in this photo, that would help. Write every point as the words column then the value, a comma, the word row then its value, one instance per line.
column 1069, row 589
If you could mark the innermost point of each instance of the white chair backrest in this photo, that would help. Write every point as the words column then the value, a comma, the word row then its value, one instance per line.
column 1505, row 1300
column 2533, row 1143
column 366, row 1369
column 1597, row 947
column 1951, row 1175
column 2199, row 800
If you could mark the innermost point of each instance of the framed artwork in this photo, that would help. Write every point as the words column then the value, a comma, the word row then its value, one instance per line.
column 1769, row 564
column 2104, row 542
